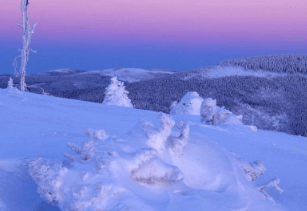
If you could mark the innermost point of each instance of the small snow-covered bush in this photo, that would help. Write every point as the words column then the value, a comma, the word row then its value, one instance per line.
column 49, row 178
column 178, row 143
column 116, row 94
column 97, row 135
column 213, row 114
column 92, row 178
column 156, row 172
column 189, row 104
column 254, row 169
column 101, row 135
column 157, row 139
column 207, row 110
column 271, row 184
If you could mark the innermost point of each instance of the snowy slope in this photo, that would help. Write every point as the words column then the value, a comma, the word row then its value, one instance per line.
column 132, row 74
column 143, row 165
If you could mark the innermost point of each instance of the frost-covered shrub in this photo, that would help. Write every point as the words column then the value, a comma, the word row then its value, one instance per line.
column 178, row 143
column 101, row 135
column 156, row 172
column 97, row 135
column 116, row 94
column 231, row 119
column 189, row 104
column 212, row 114
column 271, row 184
column 48, row 177
column 220, row 114
column 92, row 178
column 207, row 110
column 254, row 169
column 157, row 139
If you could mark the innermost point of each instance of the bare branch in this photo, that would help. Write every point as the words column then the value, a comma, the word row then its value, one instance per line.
column 33, row 51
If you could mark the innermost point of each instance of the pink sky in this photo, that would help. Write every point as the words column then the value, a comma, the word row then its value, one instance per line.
column 192, row 21
column 240, row 27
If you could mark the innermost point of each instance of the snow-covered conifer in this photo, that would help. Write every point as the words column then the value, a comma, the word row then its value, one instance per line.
column 10, row 85
column 116, row 94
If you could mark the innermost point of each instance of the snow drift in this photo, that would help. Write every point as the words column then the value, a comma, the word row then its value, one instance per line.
column 139, row 160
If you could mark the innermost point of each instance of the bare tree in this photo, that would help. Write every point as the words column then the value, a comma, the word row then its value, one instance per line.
column 28, row 31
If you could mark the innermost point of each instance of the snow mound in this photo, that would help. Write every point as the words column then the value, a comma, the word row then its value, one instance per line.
column 164, row 162
column 193, row 104
column 149, row 162
column 189, row 104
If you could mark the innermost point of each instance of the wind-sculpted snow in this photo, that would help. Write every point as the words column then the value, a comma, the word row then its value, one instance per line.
column 115, row 173
column 88, row 156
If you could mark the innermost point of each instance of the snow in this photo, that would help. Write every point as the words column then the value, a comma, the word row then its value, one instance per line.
column 189, row 104
column 127, row 159
column 131, row 74
column 225, row 71
column 116, row 94
column 63, row 70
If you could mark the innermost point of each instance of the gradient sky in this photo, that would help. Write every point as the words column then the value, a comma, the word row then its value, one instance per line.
column 171, row 34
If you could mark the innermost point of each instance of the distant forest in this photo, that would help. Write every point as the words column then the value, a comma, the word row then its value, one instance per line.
column 278, row 64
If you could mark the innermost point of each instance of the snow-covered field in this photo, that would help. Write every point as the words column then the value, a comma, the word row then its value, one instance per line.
column 121, row 158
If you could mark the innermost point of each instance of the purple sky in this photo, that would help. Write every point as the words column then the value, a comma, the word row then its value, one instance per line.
column 172, row 34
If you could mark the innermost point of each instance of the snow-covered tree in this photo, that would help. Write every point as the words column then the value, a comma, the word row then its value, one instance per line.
column 28, row 31
column 116, row 94
column 10, row 84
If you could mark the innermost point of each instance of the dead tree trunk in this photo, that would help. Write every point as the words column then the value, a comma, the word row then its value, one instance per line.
column 28, row 31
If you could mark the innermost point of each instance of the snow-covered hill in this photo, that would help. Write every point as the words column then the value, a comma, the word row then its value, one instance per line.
column 228, row 71
column 121, row 163
column 132, row 74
